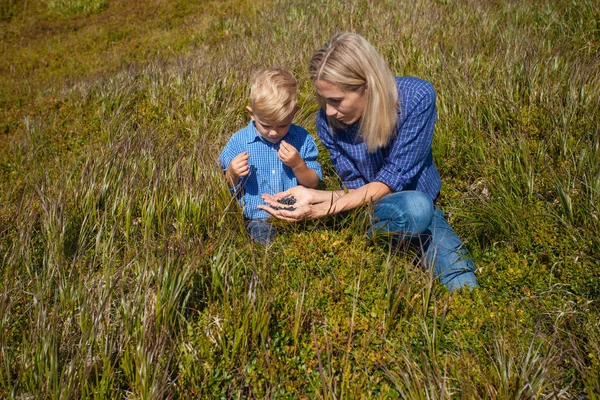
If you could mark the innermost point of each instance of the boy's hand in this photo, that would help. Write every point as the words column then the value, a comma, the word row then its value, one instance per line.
column 239, row 167
column 289, row 155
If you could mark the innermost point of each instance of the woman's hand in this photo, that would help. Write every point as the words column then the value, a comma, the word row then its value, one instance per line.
column 298, row 214
column 303, row 196
column 305, row 207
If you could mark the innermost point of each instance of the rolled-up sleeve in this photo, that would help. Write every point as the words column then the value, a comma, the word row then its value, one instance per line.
column 309, row 154
column 226, row 156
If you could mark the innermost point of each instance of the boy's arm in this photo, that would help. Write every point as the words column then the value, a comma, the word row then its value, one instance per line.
column 306, row 176
column 231, row 177
column 290, row 156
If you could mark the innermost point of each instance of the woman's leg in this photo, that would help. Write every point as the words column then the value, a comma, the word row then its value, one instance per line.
column 411, row 217
column 444, row 249
column 405, row 214
column 261, row 231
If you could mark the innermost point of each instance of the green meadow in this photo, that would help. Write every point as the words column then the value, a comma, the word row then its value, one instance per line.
column 127, row 273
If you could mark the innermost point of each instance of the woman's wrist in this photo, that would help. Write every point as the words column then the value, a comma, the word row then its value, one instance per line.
column 324, row 196
column 322, row 209
column 327, row 203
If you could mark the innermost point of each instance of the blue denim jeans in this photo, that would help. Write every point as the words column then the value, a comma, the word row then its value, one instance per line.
column 261, row 231
column 412, row 217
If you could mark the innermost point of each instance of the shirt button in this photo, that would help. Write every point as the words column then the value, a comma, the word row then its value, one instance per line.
column 273, row 172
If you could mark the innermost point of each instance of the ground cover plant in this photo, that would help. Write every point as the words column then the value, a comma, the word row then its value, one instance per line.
column 126, row 272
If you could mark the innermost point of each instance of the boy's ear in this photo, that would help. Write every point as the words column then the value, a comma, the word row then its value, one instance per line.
column 250, row 112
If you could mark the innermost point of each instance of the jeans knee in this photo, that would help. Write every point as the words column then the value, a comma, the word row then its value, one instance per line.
column 407, row 213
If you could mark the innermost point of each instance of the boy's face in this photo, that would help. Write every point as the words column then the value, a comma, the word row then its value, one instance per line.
column 271, row 131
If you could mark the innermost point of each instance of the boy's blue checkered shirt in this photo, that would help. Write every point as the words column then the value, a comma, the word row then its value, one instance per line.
column 268, row 174
column 406, row 163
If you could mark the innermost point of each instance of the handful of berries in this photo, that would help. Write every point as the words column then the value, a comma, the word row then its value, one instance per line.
column 287, row 202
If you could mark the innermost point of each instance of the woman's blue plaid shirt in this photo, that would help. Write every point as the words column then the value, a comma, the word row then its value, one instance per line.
column 406, row 163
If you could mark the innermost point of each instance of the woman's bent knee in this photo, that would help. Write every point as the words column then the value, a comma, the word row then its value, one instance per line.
column 407, row 213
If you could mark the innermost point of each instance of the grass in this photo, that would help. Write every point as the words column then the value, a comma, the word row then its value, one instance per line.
column 126, row 269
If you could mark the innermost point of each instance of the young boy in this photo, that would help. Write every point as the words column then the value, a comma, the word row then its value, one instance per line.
column 271, row 154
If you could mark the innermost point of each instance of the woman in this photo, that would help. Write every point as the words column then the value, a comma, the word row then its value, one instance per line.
column 378, row 130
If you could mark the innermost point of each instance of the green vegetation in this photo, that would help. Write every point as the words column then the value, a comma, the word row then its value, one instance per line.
column 126, row 271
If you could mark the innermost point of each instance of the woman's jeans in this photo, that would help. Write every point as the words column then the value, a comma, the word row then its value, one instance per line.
column 412, row 217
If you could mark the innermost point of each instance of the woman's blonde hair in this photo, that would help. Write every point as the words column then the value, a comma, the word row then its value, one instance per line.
column 273, row 94
column 351, row 63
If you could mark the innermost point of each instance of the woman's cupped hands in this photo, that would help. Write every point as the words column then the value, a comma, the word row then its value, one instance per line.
column 303, row 206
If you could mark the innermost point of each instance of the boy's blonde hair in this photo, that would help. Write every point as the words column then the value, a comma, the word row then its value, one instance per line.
column 350, row 62
column 273, row 94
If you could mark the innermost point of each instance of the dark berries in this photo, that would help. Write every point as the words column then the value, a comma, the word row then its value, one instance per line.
column 290, row 208
column 286, row 201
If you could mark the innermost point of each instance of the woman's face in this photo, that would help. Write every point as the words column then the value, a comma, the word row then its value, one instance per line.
column 346, row 106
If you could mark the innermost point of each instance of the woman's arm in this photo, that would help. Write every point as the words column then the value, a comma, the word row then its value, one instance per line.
column 358, row 197
column 311, row 204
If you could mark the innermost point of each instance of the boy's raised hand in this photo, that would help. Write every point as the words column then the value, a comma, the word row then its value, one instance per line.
column 238, row 167
column 289, row 155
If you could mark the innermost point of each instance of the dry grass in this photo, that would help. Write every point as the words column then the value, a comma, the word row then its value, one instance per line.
column 127, row 273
